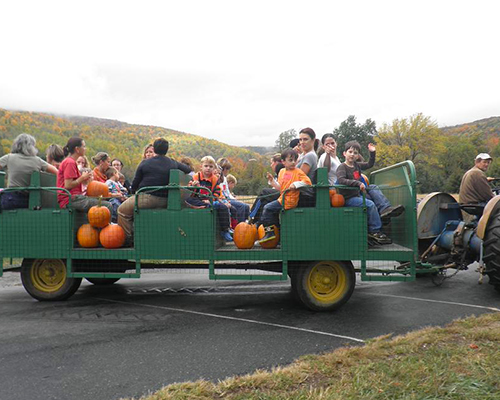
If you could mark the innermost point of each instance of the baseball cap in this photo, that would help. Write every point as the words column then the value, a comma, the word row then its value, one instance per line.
column 483, row 156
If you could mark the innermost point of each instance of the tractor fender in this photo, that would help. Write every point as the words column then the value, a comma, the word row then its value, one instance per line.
column 487, row 213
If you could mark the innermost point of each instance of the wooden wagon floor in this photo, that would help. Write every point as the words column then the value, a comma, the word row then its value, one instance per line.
column 230, row 246
column 389, row 247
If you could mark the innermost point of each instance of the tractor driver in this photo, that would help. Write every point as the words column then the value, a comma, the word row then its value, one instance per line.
column 474, row 188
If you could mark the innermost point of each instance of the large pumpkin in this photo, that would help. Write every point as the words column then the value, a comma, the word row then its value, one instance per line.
column 112, row 237
column 96, row 189
column 99, row 216
column 271, row 244
column 244, row 235
column 337, row 200
column 87, row 236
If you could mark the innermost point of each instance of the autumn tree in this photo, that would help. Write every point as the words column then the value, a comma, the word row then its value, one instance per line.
column 284, row 140
column 350, row 130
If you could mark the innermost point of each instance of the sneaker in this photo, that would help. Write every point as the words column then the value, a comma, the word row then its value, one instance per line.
column 379, row 238
column 270, row 235
column 226, row 236
column 392, row 212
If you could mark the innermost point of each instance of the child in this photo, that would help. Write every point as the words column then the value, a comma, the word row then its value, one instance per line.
column 289, row 177
column 349, row 174
column 121, row 181
column 207, row 178
column 115, row 191
column 239, row 210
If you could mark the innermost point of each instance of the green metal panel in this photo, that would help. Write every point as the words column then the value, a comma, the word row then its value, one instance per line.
column 2, row 179
column 186, row 234
column 36, row 234
column 332, row 234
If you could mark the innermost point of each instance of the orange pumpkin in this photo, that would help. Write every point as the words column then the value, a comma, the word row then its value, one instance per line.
column 112, row 237
column 87, row 236
column 96, row 189
column 271, row 244
column 244, row 235
column 332, row 192
column 99, row 216
column 337, row 200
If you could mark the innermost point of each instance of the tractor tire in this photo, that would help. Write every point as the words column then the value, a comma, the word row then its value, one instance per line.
column 491, row 248
column 102, row 281
column 46, row 279
column 324, row 285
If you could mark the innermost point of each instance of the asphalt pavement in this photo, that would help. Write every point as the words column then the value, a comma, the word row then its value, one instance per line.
column 138, row 335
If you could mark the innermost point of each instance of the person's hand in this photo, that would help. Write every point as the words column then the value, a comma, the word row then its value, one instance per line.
column 362, row 187
column 86, row 176
column 194, row 183
column 269, row 176
column 292, row 186
column 329, row 149
column 371, row 147
column 490, row 179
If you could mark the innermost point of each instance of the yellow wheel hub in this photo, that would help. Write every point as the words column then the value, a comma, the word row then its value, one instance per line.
column 48, row 275
column 327, row 282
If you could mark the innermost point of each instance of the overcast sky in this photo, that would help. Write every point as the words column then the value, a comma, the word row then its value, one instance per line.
column 243, row 71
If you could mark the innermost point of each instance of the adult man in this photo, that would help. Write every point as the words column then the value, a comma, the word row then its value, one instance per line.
column 474, row 188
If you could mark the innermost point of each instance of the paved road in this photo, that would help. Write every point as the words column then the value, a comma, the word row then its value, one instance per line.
column 138, row 336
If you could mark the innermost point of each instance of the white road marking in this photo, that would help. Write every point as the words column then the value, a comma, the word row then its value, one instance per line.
column 234, row 319
column 436, row 301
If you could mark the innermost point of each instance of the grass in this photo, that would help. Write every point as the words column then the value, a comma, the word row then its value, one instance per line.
column 458, row 361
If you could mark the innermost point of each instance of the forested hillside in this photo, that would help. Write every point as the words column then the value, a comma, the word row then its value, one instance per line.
column 126, row 142
column 441, row 155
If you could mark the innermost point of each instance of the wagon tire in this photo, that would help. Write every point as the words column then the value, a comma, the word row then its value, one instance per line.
column 102, row 281
column 491, row 246
column 47, row 280
column 324, row 285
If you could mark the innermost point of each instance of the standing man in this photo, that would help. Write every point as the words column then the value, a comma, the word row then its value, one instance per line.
column 474, row 188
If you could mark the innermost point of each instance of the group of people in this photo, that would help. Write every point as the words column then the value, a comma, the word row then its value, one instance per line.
column 297, row 169
column 73, row 175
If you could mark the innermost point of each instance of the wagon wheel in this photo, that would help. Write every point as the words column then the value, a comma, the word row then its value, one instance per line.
column 324, row 285
column 492, row 249
column 46, row 279
column 102, row 281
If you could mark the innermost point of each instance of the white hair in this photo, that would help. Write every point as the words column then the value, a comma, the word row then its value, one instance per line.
column 25, row 144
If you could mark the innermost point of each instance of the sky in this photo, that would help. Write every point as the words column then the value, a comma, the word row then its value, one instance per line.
column 242, row 72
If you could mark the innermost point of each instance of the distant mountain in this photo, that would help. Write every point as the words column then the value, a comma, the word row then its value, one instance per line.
column 260, row 149
column 119, row 139
column 485, row 127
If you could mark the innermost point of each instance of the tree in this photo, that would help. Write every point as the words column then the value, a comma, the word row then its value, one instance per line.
column 350, row 130
column 284, row 139
column 419, row 140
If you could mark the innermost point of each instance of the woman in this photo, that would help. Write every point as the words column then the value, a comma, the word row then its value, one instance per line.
column 149, row 152
column 101, row 160
column 329, row 158
column 83, row 163
column 55, row 155
column 118, row 165
column 20, row 164
column 308, row 160
column 70, row 178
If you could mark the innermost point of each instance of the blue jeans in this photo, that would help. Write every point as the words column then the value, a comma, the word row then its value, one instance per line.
column 376, row 195
column 270, row 215
column 13, row 200
column 374, row 222
column 239, row 210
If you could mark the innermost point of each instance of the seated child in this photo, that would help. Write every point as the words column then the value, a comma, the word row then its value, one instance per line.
column 207, row 178
column 239, row 210
column 289, row 177
column 115, row 192
column 121, row 183
column 379, row 207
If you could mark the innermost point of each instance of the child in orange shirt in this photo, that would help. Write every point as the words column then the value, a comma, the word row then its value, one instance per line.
column 289, row 177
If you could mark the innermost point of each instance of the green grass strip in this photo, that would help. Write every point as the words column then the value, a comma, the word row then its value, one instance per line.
column 458, row 361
